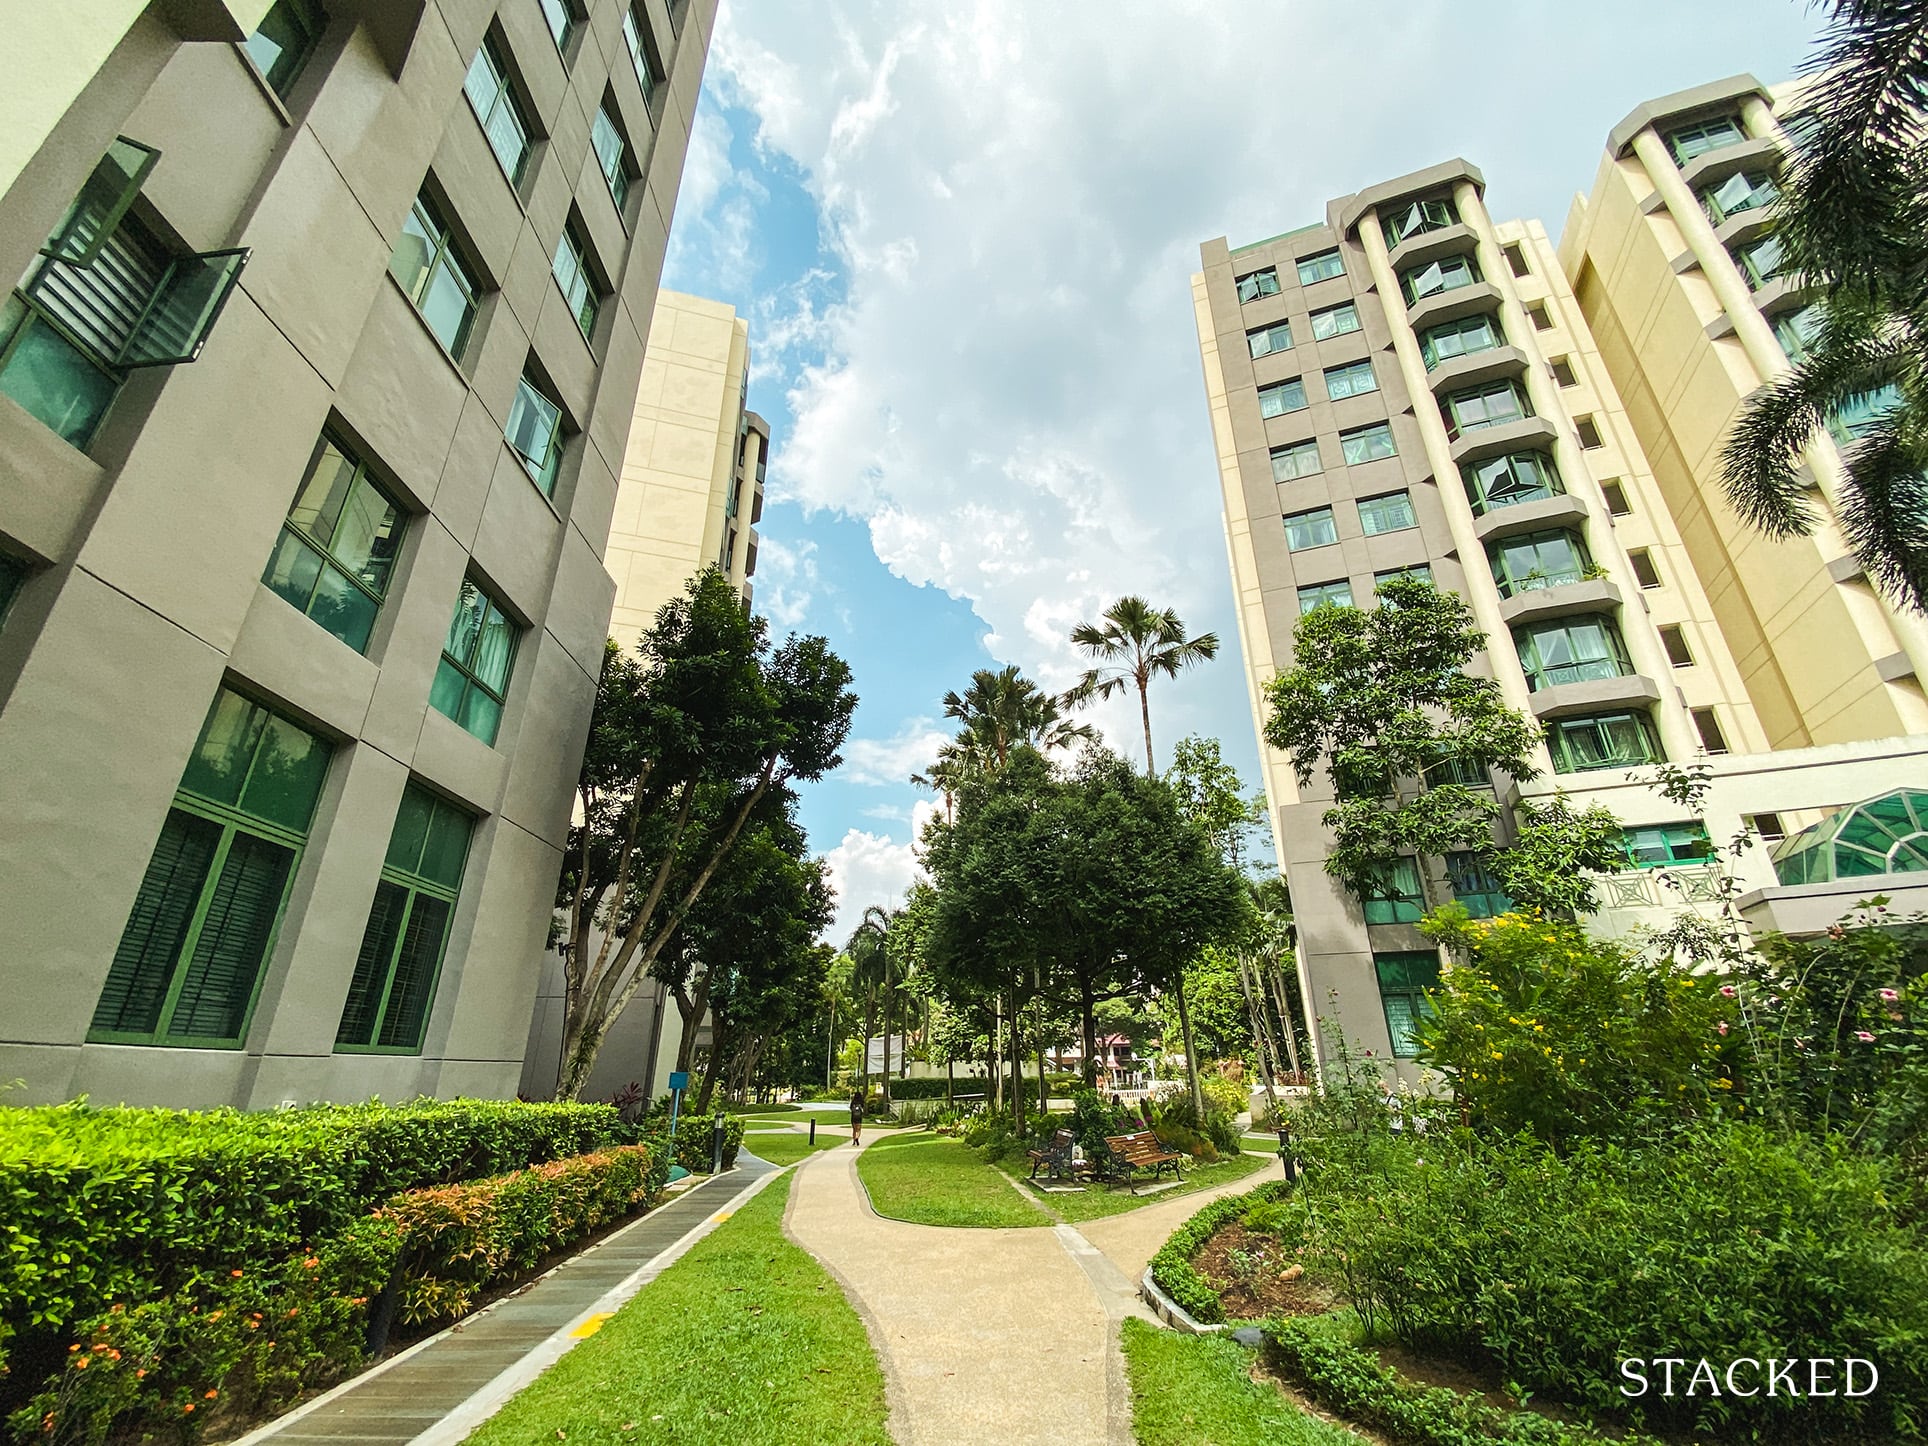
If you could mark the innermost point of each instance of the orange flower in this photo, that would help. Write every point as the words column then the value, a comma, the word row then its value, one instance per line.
column 81, row 1364
column 74, row 1347
column 140, row 1373
column 210, row 1395
column 188, row 1407
column 235, row 1273
column 311, row 1263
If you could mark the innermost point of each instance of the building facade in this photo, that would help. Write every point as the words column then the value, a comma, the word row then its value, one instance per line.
column 1410, row 386
column 314, row 395
column 690, row 494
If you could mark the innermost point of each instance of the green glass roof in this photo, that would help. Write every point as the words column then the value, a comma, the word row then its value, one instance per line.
column 1885, row 835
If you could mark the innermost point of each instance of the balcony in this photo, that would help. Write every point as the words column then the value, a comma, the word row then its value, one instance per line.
column 1457, row 239
column 1743, row 227
column 1595, row 695
column 1712, row 167
column 1527, row 434
column 1429, row 311
column 1559, row 510
column 1559, row 599
column 1472, row 368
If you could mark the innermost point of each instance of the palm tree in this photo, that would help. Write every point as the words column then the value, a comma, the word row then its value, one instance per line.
column 1852, row 211
column 869, row 951
column 1004, row 708
column 1140, row 642
column 961, row 761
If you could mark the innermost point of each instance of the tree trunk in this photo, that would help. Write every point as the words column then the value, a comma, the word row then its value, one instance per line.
column 1191, row 1056
column 1017, row 1067
column 709, row 1069
column 950, row 1080
column 829, row 1046
column 870, row 1019
column 1088, row 1018
column 1261, row 1034
column 1044, row 1095
column 994, row 1066
column 886, row 1076
column 1287, row 1020
column 1144, row 709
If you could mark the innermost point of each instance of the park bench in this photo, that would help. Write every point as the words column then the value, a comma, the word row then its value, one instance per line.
column 1053, row 1157
column 1142, row 1151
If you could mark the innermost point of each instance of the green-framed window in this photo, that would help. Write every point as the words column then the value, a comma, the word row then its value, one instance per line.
column 1418, row 571
column 570, row 267
column 1504, row 481
column 1367, row 444
column 1436, row 278
column 1395, row 896
column 612, row 155
column 1535, row 560
column 648, row 75
column 1321, row 267
column 1760, row 261
column 1310, row 529
column 473, row 677
column 1744, row 191
column 190, row 960
column 493, row 97
column 1687, row 142
column 408, row 927
column 432, row 272
column 534, row 433
column 1417, row 218
column 1853, row 418
column 1320, row 594
column 1474, row 885
column 1334, row 321
column 1282, row 397
column 1602, row 740
column 1354, row 379
column 1404, row 977
column 1660, row 846
column 1294, row 460
column 561, row 18
column 1796, row 330
column 1254, row 284
column 287, row 37
column 1571, row 650
column 1390, row 512
column 1493, row 405
column 1463, row 337
column 13, row 573
column 1265, row 340
column 1456, row 768
column 337, row 548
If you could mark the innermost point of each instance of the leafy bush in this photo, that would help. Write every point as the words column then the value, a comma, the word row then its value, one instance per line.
column 1315, row 1353
column 990, row 1133
column 1186, row 1142
column 114, row 1206
column 1725, row 1243
column 462, row 1238
column 1172, row 1268
column 1094, row 1120
column 693, row 1140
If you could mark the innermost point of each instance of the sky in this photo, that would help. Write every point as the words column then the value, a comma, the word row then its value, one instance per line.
column 963, row 235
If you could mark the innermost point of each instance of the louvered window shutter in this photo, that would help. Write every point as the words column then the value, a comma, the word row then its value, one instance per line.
column 233, row 943
column 163, row 911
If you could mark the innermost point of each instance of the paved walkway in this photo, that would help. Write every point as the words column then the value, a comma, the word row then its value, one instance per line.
column 438, row 1389
column 1006, row 1335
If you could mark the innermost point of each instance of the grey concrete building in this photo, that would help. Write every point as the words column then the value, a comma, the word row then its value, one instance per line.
column 314, row 392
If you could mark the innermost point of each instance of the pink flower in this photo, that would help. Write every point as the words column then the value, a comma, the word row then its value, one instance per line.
column 1864, row 1036
column 1729, row 991
column 1722, row 1028
column 1889, row 996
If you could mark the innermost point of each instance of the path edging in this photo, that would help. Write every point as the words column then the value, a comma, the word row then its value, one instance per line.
column 1170, row 1312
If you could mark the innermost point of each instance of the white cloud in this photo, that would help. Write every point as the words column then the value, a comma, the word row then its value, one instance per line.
column 716, row 209
column 1009, row 393
column 891, row 761
column 869, row 868
column 786, row 581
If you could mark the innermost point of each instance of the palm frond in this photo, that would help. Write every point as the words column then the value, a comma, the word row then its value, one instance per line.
column 1884, row 511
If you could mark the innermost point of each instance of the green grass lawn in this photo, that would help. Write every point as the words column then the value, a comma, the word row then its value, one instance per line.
column 1197, row 1391
column 1265, row 1144
column 747, row 1110
column 786, row 1147
column 1097, row 1201
column 743, row 1341
column 932, row 1180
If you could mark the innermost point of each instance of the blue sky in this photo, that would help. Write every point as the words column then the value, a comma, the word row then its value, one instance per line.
column 963, row 236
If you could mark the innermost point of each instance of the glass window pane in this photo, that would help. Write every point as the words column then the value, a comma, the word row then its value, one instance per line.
column 448, row 306
column 48, row 376
column 281, row 47
column 288, row 771
column 482, row 85
column 1284, row 397
column 1367, row 444
column 293, row 569
column 151, row 943
column 324, row 492
column 1301, row 459
column 471, row 609
column 218, row 767
column 533, row 421
column 480, row 714
column 233, row 942
column 493, row 651
column 561, row 22
column 1322, row 267
column 448, row 691
column 448, row 846
column 406, row 839
column 415, row 252
column 508, row 136
column 183, row 309
column 343, row 609
column 366, row 535
column 1386, row 514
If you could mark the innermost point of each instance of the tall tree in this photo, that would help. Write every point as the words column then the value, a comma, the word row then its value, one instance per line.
column 1212, row 795
column 687, row 740
column 1380, row 696
column 1002, row 709
column 1137, row 642
column 1850, row 219
column 870, row 956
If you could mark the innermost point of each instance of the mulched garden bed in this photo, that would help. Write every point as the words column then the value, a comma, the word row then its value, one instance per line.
column 1255, row 1275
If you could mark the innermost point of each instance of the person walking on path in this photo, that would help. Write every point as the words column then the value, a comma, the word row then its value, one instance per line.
column 856, row 1117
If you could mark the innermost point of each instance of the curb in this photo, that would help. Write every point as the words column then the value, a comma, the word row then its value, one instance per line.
column 1171, row 1312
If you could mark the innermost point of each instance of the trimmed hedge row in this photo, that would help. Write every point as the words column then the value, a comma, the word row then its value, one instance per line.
column 1314, row 1353
column 1172, row 1266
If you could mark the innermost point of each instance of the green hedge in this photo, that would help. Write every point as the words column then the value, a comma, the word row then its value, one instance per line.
column 693, row 1140
column 1316, row 1354
column 122, row 1205
column 460, row 1239
column 1172, row 1267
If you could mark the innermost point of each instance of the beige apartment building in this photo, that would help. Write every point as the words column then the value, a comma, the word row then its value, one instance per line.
column 1410, row 386
column 690, row 496
column 315, row 388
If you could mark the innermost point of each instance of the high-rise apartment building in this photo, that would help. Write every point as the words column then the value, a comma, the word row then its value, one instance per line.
column 314, row 394
column 690, row 495
column 1411, row 387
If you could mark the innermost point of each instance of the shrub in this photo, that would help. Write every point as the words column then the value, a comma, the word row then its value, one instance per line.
column 462, row 1238
column 990, row 1133
column 693, row 1141
column 1349, row 1381
column 1186, row 1142
column 114, row 1206
column 1730, row 1242
column 1172, row 1268
column 1094, row 1120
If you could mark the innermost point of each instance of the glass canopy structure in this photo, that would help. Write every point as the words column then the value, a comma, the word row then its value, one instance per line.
column 1884, row 835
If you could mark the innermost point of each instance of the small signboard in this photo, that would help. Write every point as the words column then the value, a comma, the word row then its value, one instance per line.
column 679, row 1079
